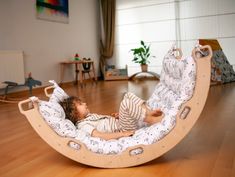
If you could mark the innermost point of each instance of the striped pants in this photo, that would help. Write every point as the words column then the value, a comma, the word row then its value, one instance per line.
column 131, row 112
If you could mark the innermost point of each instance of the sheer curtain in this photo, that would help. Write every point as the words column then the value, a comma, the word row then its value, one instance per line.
column 163, row 22
column 152, row 21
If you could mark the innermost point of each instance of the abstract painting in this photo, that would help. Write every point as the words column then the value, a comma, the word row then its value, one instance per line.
column 53, row 10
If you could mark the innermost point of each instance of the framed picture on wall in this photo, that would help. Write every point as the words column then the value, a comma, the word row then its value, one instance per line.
column 53, row 10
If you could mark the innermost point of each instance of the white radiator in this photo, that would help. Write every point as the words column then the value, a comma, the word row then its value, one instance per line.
column 11, row 67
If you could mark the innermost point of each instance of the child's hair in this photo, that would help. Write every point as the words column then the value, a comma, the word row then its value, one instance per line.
column 69, row 107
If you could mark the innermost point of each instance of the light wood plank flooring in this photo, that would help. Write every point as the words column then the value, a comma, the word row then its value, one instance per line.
column 207, row 151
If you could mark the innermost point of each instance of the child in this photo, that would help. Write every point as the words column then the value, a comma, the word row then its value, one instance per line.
column 133, row 114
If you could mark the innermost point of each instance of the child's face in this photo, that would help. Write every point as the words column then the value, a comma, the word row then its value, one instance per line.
column 82, row 109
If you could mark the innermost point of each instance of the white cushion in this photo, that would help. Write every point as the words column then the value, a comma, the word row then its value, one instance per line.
column 177, row 82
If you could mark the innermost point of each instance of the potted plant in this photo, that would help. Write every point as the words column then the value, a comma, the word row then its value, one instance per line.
column 142, row 55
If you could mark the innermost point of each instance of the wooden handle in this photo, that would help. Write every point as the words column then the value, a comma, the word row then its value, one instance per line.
column 46, row 91
column 202, row 48
column 21, row 103
column 180, row 53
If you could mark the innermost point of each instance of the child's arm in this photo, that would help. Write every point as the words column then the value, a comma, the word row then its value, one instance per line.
column 108, row 136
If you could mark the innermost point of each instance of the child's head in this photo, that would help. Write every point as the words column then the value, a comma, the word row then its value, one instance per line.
column 74, row 108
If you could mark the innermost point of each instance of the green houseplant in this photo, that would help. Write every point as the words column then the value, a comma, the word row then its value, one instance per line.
column 142, row 55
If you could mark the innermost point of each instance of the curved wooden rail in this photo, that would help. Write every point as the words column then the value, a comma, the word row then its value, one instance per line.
column 186, row 118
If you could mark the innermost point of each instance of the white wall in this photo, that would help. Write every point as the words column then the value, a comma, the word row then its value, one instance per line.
column 209, row 19
column 161, row 22
column 47, row 43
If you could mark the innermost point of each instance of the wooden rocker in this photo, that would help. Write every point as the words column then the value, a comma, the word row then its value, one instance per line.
column 29, row 82
column 186, row 118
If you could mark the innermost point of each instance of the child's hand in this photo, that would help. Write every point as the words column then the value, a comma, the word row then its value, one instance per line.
column 156, row 112
column 127, row 133
column 115, row 115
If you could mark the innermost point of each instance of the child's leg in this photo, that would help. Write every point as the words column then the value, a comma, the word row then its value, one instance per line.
column 131, row 112
column 133, row 98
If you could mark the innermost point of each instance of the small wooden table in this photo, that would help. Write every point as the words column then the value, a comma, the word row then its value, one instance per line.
column 78, row 69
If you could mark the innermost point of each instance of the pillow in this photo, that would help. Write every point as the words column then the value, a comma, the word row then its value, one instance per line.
column 58, row 94
column 177, row 82
column 54, row 115
column 51, row 111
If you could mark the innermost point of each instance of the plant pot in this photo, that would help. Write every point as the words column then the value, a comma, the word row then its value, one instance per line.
column 144, row 68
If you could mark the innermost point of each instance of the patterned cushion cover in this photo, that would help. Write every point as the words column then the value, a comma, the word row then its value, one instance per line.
column 176, row 85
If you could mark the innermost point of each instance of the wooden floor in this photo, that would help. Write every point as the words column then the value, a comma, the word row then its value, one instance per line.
column 207, row 151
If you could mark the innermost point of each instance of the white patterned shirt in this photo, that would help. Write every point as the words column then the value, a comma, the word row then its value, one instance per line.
column 102, row 123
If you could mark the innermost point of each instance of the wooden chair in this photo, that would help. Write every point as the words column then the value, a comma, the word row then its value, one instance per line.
column 87, row 69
